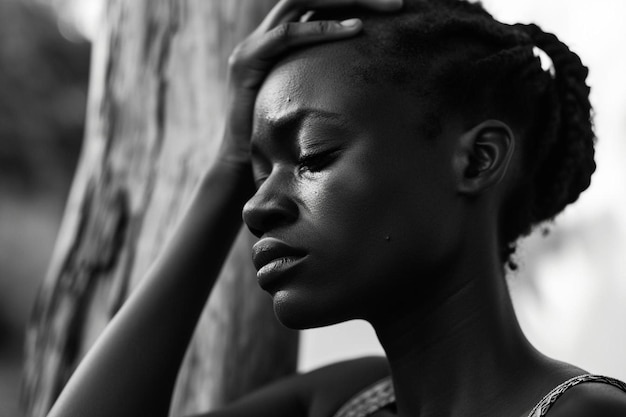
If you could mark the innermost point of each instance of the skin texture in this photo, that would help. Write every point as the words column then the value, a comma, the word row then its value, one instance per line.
column 357, row 206
column 395, row 229
column 142, row 348
column 358, row 217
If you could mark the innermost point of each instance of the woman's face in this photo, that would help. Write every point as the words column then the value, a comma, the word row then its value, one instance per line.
column 356, row 211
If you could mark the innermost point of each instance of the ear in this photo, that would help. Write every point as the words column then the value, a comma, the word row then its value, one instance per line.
column 483, row 156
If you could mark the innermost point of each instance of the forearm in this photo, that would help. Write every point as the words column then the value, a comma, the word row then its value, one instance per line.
column 132, row 369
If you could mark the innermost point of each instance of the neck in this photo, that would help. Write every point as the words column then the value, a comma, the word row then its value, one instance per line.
column 464, row 354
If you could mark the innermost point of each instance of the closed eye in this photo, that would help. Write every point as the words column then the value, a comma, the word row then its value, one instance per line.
column 315, row 162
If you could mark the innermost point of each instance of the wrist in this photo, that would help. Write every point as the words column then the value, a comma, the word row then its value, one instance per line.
column 229, row 171
column 234, row 152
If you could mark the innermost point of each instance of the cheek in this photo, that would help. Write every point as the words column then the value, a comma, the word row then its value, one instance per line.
column 341, row 199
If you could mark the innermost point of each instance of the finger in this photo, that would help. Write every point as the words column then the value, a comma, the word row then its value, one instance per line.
column 291, row 10
column 380, row 5
column 288, row 36
column 307, row 16
column 284, row 11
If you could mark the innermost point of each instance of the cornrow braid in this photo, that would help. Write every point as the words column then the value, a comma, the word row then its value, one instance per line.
column 457, row 57
column 559, row 150
column 570, row 161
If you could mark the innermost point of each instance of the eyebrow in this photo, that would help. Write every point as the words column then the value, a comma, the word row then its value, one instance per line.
column 290, row 123
column 302, row 114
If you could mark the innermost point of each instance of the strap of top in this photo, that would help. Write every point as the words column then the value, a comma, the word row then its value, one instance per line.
column 544, row 405
column 381, row 394
column 369, row 400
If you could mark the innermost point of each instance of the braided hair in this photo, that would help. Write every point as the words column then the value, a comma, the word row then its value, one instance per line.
column 456, row 56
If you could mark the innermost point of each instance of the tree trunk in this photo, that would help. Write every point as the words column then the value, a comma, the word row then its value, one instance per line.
column 154, row 122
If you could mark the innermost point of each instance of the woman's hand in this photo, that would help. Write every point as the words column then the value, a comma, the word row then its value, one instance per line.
column 142, row 348
column 280, row 32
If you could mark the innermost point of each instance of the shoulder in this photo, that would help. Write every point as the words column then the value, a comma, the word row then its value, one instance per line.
column 318, row 393
column 590, row 399
column 353, row 371
column 332, row 386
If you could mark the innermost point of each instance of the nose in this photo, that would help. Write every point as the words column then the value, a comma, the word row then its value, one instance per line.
column 271, row 207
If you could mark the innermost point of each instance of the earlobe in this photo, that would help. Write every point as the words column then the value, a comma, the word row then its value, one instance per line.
column 483, row 156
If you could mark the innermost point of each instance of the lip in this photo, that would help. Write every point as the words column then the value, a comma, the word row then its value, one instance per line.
column 272, row 256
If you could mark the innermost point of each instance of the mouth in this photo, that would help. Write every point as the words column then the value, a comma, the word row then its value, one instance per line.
column 271, row 256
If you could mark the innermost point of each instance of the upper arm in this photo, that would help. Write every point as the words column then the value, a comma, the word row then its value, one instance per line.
column 590, row 400
column 317, row 393
column 283, row 398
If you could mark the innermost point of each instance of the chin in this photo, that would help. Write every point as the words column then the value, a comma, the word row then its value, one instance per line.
column 302, row 312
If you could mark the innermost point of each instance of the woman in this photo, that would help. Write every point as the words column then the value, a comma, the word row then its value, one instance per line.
column 397, row 158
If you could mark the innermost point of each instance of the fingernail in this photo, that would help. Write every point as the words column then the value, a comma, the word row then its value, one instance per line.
column 350, row 22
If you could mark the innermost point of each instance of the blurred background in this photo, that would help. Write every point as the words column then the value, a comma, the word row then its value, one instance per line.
column 44, row 69
column 570, row 292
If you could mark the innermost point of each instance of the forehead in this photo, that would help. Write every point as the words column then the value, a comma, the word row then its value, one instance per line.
column 327, row 79
column 318, row 75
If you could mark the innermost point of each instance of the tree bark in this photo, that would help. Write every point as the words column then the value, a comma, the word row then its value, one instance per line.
column 154, row 121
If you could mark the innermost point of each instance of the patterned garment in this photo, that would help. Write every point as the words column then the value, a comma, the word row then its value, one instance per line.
column 544, row 405
column 381, row 395
column 369, row 400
